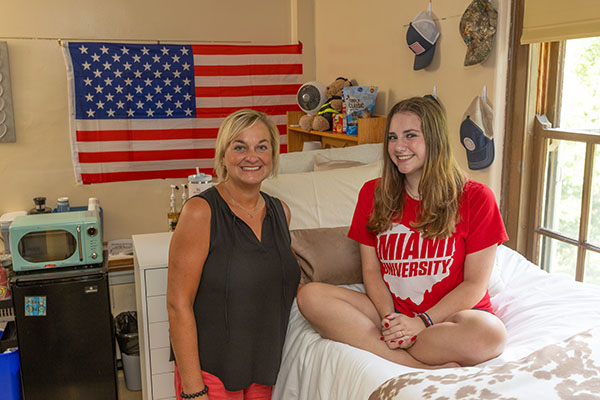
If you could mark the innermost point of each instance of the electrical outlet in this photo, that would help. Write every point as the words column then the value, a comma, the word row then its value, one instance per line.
column 7, row 123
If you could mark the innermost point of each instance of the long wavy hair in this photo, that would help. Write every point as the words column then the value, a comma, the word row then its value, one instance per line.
column 442, row 181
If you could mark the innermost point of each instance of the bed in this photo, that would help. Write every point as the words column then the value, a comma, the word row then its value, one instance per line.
column 553, row 322
column 553, row 350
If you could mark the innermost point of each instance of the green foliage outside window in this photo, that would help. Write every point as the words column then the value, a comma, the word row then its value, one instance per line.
column 579, row 110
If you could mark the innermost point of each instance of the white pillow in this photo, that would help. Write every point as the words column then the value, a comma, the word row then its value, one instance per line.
column 296, row 161
column 303, row 161
column 322, row 199
column 322, row 163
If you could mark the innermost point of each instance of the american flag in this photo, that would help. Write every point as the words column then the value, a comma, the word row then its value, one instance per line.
column 147, row 111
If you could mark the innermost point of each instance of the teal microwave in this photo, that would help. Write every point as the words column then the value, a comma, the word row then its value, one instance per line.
column 55, row 240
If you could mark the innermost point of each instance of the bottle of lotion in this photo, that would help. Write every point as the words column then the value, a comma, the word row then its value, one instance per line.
column 173, row 214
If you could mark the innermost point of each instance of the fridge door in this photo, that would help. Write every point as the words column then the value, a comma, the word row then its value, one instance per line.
column 65, row 335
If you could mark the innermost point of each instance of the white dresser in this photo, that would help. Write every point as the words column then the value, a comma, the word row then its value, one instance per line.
column 150, row 259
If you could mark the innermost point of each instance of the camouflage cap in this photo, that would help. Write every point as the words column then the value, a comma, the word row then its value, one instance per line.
column 478, row 28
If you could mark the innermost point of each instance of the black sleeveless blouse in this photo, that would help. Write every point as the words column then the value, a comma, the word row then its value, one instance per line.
column 245, row 294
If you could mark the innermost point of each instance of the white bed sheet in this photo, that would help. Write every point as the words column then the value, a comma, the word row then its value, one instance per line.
column 537, row 308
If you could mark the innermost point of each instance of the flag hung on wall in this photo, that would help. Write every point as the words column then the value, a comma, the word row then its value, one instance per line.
column 148, row 111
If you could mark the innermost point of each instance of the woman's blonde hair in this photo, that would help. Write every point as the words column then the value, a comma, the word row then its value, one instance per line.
column 230, row 129
column 441, row 183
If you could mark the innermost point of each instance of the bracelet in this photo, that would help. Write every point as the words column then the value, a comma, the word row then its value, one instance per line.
column 428, row 319
column 424, row 320
column 194, row 395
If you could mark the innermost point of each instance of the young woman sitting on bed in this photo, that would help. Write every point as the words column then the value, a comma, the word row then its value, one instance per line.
column 428, row 239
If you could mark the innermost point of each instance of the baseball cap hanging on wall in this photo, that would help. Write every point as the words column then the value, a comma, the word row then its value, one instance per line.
column 478, row 28
column 433, row 96
column 421, row 37
column 477, row 134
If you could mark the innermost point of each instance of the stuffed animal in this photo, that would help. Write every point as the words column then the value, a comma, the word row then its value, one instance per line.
column 323, row 120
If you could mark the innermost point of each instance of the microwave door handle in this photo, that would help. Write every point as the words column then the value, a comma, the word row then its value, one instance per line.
column 79, row 242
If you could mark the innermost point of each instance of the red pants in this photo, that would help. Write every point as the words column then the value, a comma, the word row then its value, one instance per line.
column 217, row 390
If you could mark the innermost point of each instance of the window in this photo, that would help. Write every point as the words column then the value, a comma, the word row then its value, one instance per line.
column 566, row 231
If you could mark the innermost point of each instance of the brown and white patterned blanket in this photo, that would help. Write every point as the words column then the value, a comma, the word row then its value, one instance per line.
column 566, row 370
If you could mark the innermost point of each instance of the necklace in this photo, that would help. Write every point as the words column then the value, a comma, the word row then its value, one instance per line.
column 415, row 197
column 241, row 207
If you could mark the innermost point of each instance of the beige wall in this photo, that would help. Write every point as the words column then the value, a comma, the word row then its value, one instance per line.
column 366, row 42
column 39, row 163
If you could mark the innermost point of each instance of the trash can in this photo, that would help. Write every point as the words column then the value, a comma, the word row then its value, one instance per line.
column 10, row 370
column 126, row 330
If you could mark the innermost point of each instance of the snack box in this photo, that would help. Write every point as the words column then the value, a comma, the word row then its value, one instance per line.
column 360, row 103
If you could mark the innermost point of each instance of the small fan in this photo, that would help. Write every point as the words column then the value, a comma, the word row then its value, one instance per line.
column 311, row 96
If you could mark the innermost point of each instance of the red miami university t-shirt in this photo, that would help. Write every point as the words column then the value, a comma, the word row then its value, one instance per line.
column 419, row 272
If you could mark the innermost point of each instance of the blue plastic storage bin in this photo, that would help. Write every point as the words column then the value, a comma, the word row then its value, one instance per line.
column 10, row 375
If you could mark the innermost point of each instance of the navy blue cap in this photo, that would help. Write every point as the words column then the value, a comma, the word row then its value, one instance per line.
column 477, row 134
column 480, row 149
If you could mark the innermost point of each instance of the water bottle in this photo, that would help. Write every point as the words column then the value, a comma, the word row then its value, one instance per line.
column 62, row 204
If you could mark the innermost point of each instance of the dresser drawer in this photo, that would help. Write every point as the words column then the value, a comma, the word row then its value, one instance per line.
column 159, row 359
column 156, row 282
column 163, row 386
column 159, row 335
column 157, row 309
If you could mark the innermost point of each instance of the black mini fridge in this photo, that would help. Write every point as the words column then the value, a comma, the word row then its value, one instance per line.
column 65, row 334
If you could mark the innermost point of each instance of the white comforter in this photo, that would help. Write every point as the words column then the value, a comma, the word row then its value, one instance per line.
column 537, row 308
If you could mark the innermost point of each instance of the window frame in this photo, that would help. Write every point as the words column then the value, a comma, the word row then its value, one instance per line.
column 534, row 89
column 515, row 204
column 543, row 134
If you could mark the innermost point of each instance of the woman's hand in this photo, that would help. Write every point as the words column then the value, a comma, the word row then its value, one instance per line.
column 400, row 331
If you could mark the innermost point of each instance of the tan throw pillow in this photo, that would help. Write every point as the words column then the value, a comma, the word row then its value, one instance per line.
column 323, row 163
column 327, row 255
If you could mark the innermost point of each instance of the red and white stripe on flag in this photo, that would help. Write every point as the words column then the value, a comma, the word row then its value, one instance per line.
column 148, row 111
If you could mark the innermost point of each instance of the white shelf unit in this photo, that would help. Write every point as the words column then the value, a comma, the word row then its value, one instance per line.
column 151, row 253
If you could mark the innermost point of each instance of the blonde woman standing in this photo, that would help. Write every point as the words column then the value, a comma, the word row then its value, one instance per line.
column 232, row 274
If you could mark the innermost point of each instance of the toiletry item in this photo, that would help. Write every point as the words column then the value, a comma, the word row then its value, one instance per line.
column 62, row 204
column 173, row 214
column 199, row 182
column 93, row 204
column 40, row 206
column 184, row 195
